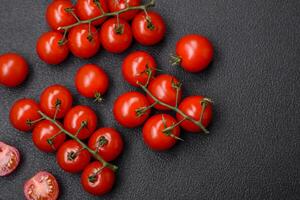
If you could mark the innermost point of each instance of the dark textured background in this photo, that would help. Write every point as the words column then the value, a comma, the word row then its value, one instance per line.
column 253, row 151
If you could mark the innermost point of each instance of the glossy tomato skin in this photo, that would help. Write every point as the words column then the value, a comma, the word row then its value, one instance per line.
column 162, row 88
column 49, row 50
column 56, row 16
column 114, row 40
column 76, row 116
column 116, row 5
column 9, row 159
column 192, row 107
column 135, row 65
column 195, row 52
column 87, row 9
column 108, row 142
column 143, row 33
column 103, row 181
column 153, row 134
column 44, row 131
column 91, row 80
column 13, row 69
column 43, row 185
column 71, row 158
column 22, row 111
column 126, row 106
column 79, row 43
column 56, row 94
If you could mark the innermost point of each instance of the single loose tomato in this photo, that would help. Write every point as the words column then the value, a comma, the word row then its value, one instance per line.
column 136, row 67
column 72, row 158
column 13, row 69
column 91, row 81
column 56, row 101
column 82, row 42
column 156, row 134
column 192, row 106
column 131, row 109
column 116, row 5
column 115, row 37
column 148, row 30
column 194, row 52
column 81, row 118
column 9, row 159
column 88, row 9
column 47, row 136
column 163, row 87
column 50, row 49
column 23, row 112
column 97, row 180
column 43, row 185
column 107, row 142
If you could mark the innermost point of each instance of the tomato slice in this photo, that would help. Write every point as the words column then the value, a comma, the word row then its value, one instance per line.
column 43, row 186
column 9, row 159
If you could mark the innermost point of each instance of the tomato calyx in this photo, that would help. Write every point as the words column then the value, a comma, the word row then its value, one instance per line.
column 168, row 130
column 98, row 4
column 98, row 97
column 73, row 154
column 93, row 178
column 142, row 110
column 102, row 141
column 175, row 60
column 204, row 102
column 150, row 25
column 30, row 122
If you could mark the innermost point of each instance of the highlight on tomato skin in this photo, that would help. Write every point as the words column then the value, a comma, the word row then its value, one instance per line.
column 9, row 159
column 116, row 5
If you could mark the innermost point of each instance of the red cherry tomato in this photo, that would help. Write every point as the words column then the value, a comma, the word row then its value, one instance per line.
column 22, row 112
column 148, row 31
column 136, row 67
column 192, row 107
column 91, row 81
column 81, row 116
column 72, row 158
column 43, row 185
column 97, row 180
column 87, row 9
column 81, row 43
column 56, row 100
column 126, row 109
column 115, row 38
column 49, row 49
column 163, row 87
column 108, row 143
column 57, row 16
column 194, row 52
column 116, row 5
column 44, row 131
column 9, row 159
column 154, row 135
column 13, row 69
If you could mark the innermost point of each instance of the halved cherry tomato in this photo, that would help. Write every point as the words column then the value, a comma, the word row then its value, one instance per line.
column 116, row 5
column 9, row 159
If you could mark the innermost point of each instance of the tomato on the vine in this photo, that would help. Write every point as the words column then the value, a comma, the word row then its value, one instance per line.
column 9, row 159
column 116, row 5
column 13, row 69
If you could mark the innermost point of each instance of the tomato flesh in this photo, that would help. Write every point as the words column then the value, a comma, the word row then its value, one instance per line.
column 9, row 159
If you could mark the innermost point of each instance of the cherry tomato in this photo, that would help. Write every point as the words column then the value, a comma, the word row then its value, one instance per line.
column 13, row 69
column 9, row 159
column 23, row 112
column 50, row 50
column 154, row 133
column 116, row 5
column 91, row 81
column 87, row 9
column 136, row 67
column 97, row 180
column 192, row 106
column 44, row 131
column 163, row 87
column 43, row 185
column 57, row 16
column 108, row 143
column 148, row 31
column 81, row 43
column 72, row 158
column 127, row 107
column 56, row 100
column 115, row 38
column 194, row 52
column 81, row 117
